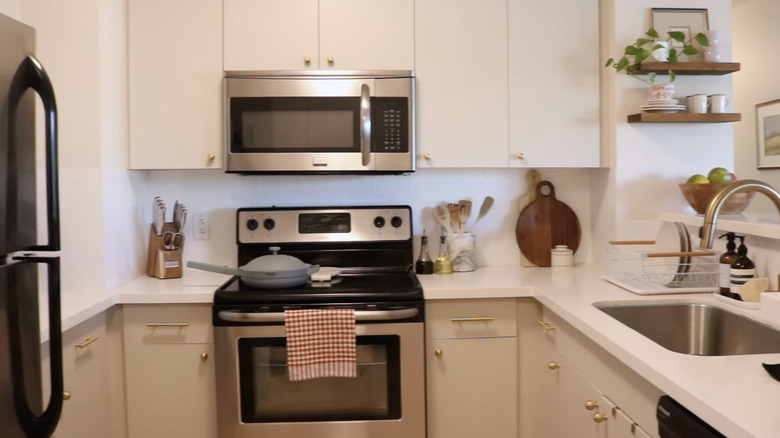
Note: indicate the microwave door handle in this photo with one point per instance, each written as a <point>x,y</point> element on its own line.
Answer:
<point>365,124</point>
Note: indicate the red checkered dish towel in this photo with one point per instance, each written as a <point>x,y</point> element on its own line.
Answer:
<point>320,343</point>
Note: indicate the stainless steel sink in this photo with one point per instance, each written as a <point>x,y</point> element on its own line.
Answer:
<point>698,329</point>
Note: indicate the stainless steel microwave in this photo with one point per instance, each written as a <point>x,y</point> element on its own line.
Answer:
<point>320,122</point>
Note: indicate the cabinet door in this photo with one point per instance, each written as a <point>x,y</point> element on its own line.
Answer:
<point>170,391</point>
<point>573,402</point>
<point>271,34</point>
<point>367,34</point>
<point>619,424</point>
<point>86,411</point>
<point>175,84</point>
<point>461,65</point>
<point>554,92</point>
<point>472,388</point>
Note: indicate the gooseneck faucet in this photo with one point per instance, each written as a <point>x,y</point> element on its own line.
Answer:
<point>713,209</point>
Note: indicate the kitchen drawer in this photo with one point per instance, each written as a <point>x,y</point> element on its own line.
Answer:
<point>167,324</point>
<point>475,318</point>
<point>81,345</point>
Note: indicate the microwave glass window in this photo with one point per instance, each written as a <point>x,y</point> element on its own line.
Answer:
<point>268,395</point>
<point>295,124</point>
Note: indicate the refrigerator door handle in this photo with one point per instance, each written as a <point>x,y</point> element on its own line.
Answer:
<point>43,425</point>
<point>31,74</point>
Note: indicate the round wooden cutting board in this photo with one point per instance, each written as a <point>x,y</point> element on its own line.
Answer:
<point>544,223</point>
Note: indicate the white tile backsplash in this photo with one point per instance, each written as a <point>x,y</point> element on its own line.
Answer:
<point>218,195</point>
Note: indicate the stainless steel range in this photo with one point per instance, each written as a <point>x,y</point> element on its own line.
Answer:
<point>372,247</point>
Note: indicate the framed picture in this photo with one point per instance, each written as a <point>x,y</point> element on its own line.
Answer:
<point>688,21</point>
<point>768,134</point>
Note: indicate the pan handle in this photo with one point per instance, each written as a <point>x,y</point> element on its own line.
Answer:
<point>212,268</point>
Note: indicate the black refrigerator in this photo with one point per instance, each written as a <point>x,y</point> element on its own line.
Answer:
<point>29,250</point>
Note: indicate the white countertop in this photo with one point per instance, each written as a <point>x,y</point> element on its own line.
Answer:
<point>732,393</point>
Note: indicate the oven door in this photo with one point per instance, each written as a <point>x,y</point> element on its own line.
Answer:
<point>319,124</point>
<point>256,398</point>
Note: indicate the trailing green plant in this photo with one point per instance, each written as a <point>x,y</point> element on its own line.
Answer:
<point>634,54</point>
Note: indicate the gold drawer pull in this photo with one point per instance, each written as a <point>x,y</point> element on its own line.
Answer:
<point>167,324</point>
<point>87,341</point>
<point>591,405</point>
<point>472,319</point>
<point>438,352</point>
<point>204,357</point>
<point>546,325</point>
<point>599,418</point>
<point>553,366</point>
<point>66,395</point>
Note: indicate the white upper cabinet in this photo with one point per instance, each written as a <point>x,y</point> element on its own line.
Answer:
<point>461,65</point>
<point>319,34</point>
<point>554,88</point>
<point>175,84</point>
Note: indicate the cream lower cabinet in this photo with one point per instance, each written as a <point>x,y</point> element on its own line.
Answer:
<point>569,388</point>
<point>471,362</point>
<point>86,411</point>
<point>169,371</point>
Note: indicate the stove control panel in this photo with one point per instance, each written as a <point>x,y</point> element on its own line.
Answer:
<point>352,224</point>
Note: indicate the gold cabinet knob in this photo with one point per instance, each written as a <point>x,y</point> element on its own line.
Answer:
<point>553,365</point>
<point>591,405</point>
<point>427,156</point>
<point>66,395</point>
<point>330,60</point>
<point>211,157</point>
<point>204,357</point>
<point>307,59</point>
<point>520,156</point>
<point>438,352</point>
<point>599,418</point>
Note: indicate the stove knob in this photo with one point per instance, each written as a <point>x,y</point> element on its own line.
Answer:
<point>269,224</point>
<point>396,222</point>
<point>252,224</point>
<point>379,222</point>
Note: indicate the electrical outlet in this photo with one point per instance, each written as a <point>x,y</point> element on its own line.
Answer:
<point>201,227</point>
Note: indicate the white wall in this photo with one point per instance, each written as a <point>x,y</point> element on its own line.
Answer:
<point>651,159</point>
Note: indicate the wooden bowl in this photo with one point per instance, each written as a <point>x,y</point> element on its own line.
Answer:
<point>700,195</point>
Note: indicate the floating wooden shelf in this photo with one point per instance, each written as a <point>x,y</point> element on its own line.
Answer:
<point>689,68</point>
<point>684,117</point>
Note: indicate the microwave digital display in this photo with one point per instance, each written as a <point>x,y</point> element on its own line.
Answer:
<point>321,223</point>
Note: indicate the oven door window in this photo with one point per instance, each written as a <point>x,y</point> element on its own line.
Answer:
<point>268,395</point>
<point>294,124</point>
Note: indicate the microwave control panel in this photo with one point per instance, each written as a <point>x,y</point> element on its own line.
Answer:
<point>390,124</point>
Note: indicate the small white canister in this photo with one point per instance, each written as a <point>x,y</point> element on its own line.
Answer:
<point>561,257</point>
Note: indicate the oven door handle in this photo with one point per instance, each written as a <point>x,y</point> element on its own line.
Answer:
<point>365,124</point>
<point>360,315</point>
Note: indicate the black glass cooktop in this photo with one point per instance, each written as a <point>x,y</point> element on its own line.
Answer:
<point>351,286</point>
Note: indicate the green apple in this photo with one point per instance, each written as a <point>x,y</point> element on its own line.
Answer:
<point>698,179</point>
<point>719,175</point>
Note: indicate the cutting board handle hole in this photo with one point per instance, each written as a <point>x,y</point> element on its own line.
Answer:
<point>545,188</point>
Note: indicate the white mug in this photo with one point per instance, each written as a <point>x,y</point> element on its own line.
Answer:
<point>697,103</point>
<point>718,103</point>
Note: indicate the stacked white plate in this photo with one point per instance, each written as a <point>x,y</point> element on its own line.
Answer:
<point>663,106</point>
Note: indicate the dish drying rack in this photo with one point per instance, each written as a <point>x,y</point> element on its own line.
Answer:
<point>634,266</point>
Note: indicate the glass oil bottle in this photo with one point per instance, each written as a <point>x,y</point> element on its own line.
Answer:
<point>443,264</point>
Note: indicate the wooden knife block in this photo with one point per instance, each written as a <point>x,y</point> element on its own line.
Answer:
<point>161,262</point>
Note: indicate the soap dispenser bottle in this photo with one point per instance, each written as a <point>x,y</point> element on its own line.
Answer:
<point>742,269</point>
<point>726,259</point>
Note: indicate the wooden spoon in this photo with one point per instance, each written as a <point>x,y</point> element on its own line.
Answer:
<point>442,215</point>
<point>464,212</point>
<point>452,209</point>
<point>483,210</point>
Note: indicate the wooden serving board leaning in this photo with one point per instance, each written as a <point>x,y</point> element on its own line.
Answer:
<point>544,223</point>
